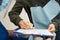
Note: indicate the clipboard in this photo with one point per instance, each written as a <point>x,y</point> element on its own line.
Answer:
<point>33,32</point>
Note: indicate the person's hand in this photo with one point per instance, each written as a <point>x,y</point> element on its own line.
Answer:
<point>51,28</point>
<point>25,25</point>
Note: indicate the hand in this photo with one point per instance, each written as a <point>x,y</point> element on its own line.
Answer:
<point>25,25</point>
<point>51,28</point>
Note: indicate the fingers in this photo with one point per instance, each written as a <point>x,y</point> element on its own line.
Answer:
<point>51,28</point>
<point>25,25</point>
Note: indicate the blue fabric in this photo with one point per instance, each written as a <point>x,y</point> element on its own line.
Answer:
<point>3,33</point>
<point>4,4</point>
<point>58,35</point>
<point>19,38</point>
<point>43,16</point>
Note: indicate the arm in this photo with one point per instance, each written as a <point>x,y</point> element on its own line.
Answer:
<point>16,19</point>
<point>15,12</point>
<point>10,33</point>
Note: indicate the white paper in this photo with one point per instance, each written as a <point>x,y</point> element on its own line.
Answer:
<point>35,32</point>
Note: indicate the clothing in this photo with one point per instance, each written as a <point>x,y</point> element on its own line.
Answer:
<point>0,2</point>
<point>18,38</point>
<point>4,8</point>
<point>58,35</point>
<point>16,10</point>
<point>26,4</point>
<point>3,33</point>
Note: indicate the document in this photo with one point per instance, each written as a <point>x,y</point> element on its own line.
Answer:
<point>41,32</point>
<point>42,16</point>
